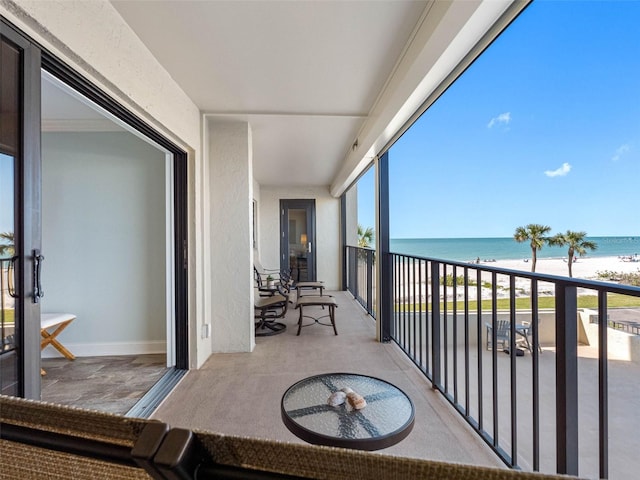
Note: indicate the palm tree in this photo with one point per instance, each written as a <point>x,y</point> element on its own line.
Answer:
<point>7,248</point>
<point>576,243</point>
<point>535,233</point>
<point>365,237</point>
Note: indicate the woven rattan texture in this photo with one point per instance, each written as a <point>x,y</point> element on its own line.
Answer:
<point>71,421</point>
<point>317,462</point>
<point>24,462</point>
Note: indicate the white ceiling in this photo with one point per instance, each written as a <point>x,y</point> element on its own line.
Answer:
<point>311,77</point>
<point>304,74</point>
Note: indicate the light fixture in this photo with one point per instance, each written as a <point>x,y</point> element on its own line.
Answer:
<point>303,238</point>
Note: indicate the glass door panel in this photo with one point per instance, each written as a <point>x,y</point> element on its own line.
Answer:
<point>298,239</point>
<point>299,245</point>
<point>10,59</point>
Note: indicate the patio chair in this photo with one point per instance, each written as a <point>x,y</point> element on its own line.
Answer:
<point>503,333</point>
<point>268,309</point>
<point>277,277</point>
<point>41,440</point>
<point>526,332</point>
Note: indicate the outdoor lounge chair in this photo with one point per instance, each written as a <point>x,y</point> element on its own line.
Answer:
<point>503,333</point>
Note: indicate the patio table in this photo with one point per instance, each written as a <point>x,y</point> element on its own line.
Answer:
<point>386,420</point>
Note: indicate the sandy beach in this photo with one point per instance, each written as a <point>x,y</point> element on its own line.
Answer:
<point>583,267</point>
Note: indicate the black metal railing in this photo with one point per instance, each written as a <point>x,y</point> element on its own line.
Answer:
<point>7,305</point>
<point>447,318</point>
<point>360,277</point>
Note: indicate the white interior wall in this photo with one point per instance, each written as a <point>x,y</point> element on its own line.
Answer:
<point>104,242</point>
<point>328,256</point>
<point>231,190</point>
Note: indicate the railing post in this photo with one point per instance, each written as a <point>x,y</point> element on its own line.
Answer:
<point>343,238</point>
<point>435,325</point>
<point>384,254</point>
<point>603,382</point>
<point>353,271</point>
<point>566,379</point>
<point>369,281</point>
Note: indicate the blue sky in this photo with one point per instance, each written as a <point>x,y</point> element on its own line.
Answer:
<point>543,128</point>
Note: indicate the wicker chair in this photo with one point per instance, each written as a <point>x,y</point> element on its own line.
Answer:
<point>45,441</point>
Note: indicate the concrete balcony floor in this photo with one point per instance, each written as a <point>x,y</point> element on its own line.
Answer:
<point>240,393</point>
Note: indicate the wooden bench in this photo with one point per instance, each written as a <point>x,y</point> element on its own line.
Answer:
<point>58,322</point>
<point>318,301</point>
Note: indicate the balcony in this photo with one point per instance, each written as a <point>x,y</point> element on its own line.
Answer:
<point>561,406</point>
<point>511,402</point>
<point>240,393</point>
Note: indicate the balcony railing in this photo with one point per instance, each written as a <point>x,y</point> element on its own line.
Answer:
<point>7,303</point>
<point>446,315</point>
<point>361,278</point>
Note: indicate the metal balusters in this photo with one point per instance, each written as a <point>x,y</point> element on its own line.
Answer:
<point>494,359</point>
<point>535,323</point>
<point>455,334</point>
<point>603,400</point>
<point>436,352</point>
<point>441,351</point>
<point>514,378</point>
<point>479,345</point>
<point>467,370</point>
<point>445,329</point>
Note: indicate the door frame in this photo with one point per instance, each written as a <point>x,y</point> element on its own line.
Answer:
<point>28,212</point>
<point>62,72</point>
<point>27,222</point>
<point>308,204</point>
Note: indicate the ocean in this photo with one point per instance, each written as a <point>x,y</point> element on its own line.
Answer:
<point>469,249</point>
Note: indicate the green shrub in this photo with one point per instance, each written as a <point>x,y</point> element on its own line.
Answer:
<point>632,279</point>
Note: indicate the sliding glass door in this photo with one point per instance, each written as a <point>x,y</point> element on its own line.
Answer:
<point>20,258</point>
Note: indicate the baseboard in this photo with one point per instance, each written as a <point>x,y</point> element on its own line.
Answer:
<point>108,349</point>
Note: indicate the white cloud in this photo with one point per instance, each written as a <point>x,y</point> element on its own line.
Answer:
<point>559,172</point>
<point>502,118</point>
<point>621,150</point>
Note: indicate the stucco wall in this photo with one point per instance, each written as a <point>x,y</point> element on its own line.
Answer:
<point>328,255</point>
<point>231,188</point>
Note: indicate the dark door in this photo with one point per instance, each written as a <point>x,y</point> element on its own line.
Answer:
<point>297,241</point>
<point>19,215</point>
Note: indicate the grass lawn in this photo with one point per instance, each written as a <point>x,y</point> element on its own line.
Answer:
<point>524,303</point>
<point>8,315</point>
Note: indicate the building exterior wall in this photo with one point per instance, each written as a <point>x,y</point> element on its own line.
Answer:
<point>328,251</point>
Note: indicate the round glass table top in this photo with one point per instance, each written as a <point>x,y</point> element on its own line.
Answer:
<point>386,419</point>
